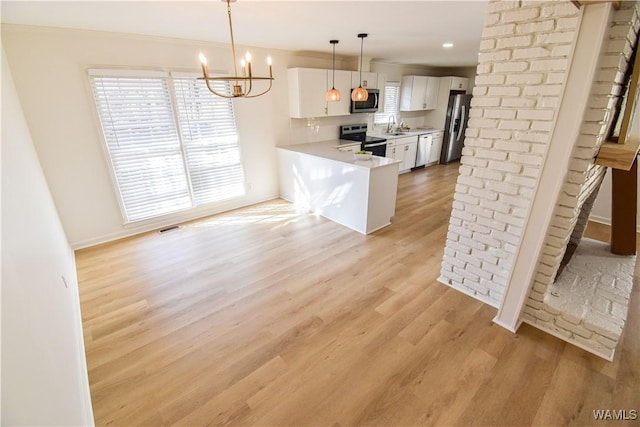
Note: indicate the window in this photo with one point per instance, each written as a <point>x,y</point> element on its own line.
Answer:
<point>172,144</point>
<point>391,102</point>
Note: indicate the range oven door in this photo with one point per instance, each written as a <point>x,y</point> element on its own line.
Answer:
<point>377,148</point>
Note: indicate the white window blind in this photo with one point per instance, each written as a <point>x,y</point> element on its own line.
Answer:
<point>208,130</point>
<point>161,166</point>
<point>391,103</point>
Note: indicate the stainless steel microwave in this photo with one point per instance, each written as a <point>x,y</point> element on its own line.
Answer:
<point>368,106</point>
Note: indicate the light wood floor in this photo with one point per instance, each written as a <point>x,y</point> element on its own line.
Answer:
<point>266,316</point>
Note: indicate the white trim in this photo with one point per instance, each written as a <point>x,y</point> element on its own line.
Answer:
<point>179,218</point>
<point>184,75</point>
<point>593,27</point>
<point>600,219</point>
<point>115,72</point>
<point>555,333</point>
<point>607,221</point>
<point>477,297</point>
<point>194,75</point>
<point>506,326</point>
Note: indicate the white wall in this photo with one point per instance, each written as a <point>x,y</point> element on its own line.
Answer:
<point>44,374</point>
<point>601,211</point>
<point>49,67</point>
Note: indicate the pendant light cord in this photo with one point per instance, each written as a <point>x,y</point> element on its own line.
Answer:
<point>361,44</point>
<point>333,86</point>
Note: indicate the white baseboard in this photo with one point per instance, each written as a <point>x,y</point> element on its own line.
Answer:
<point>178,219</point>
<point>487,301</point>
<point>607,221</point>
<point>605,356</point>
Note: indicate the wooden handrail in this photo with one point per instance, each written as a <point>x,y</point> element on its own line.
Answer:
<point>619,156</point>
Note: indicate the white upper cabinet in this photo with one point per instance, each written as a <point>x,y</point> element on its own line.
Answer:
<point>369,80</point>
<point>308,88</point>
<point>459,83</point>
<point>431,94</point>
<point>342,83</point>
<point>419,93</point>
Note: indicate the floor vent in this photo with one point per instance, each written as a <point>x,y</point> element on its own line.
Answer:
<point>166,230</point>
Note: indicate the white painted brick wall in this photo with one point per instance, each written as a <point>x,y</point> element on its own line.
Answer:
<point>586,323</point>
<point>523,63</point>
<point>524,56</point>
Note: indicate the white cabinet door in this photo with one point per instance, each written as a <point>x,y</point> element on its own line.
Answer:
<point>459,83</point>
<point>343,84</point>
<point>307,92</point>
<point>419,93</point>
<point>391,153</point>
<point>405,151</point>
<point>307,87</point>
<point>436,147</point>
<point>409,158</point>
<point>412,93</point>
<point>431,93</point>
<point>369,80</point>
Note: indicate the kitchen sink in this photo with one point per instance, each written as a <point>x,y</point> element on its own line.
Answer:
<point>396,133</point>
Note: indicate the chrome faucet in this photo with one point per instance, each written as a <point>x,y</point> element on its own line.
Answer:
<point>389,128</point>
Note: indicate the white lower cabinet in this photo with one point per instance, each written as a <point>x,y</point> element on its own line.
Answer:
<point>403,149</point>
<point>436,147</point>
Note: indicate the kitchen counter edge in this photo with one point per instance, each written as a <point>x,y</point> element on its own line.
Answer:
<point>329,150</point>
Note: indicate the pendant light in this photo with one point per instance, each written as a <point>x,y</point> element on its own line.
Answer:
<point>360,93</point>
<point>333,95</point>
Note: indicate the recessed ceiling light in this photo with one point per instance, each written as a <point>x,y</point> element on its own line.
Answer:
<point>447,45</point>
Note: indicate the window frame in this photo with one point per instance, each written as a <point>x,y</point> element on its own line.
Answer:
<point>377,116</point>
<point>169,81</point>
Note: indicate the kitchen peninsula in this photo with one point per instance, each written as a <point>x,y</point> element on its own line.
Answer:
<point>359,194</point>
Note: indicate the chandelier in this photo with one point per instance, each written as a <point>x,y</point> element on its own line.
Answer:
<point>242,85</point>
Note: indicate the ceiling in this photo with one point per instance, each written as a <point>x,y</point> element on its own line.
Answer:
<point>403,32</point>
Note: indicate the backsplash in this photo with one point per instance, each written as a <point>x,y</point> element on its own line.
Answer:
<point>304,131</point>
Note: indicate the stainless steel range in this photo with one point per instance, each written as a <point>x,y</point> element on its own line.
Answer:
<point>358,132</point>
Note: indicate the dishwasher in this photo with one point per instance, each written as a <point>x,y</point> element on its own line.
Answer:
<point>425,142</point>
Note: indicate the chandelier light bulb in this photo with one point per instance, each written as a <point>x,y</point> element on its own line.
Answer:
<point>269,60</point>
<point>248,57</point>
<point>203,59</point>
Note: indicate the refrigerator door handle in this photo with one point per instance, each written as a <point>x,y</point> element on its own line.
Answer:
<point>463,120</point>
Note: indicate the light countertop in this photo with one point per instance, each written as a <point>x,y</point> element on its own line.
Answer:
<point>412,132</point>
<point>329,150</point>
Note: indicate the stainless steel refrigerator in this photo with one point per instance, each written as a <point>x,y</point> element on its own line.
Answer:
<point>455,127</point>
